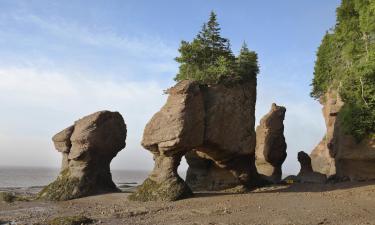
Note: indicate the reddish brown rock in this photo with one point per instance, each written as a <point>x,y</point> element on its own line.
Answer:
<point>204,175</point>
<point>306,174</point>
<point>216,121</point>
<point>338,153</point>
<point>88,148</point>
<point>323,156</point>
<point>271,146</point>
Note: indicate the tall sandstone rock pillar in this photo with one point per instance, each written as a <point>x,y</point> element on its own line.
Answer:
<point>271,146</point>
<point>88,148</point>
<point>216,122</point>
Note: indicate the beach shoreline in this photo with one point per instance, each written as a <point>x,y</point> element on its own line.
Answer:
<point>339,203</point>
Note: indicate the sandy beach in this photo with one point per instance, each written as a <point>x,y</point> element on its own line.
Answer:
<point>341,203</point>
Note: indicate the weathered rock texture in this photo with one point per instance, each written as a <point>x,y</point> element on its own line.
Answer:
<point>204,175</point>
<point>322,156</point>
<point>217,122</point>
<point>270,150</point>
<point>338,153</point>
<point>306,173</point>
<point>88,148</point>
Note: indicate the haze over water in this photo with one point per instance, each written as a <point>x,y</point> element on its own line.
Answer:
<point>13,177</point>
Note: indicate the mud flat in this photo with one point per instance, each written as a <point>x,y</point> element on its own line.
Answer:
<point>340,203</point>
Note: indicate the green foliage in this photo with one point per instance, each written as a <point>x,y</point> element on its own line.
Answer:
<point>63,188</point>
<point>171,190</point>
<point>247,63</point>
<point>358,120</point>
<point>209,58</point>
<point>7,197</point>
<point>346,62</point>
<point>10,197</point>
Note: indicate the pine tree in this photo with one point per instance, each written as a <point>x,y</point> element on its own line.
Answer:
<point>247,63</point>
<point>208,58</point>
<point>346,62</point>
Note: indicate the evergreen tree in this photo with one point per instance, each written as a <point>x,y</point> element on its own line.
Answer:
<point>209,58</point>
<point>346,61</point>
<point>247,63</point>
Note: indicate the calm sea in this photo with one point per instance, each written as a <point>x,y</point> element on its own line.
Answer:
<point>35,177</point>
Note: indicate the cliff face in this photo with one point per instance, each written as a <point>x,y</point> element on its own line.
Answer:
<point>339,153</point>
<point>323,156</point>
<point>270,153</point>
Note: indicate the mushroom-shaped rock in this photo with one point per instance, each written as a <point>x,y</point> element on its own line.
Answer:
<point>88,147</point>
<point>63,144</point>
<point>174,130</point>
<point>306,174</point>
<point>216,122</point>
<point>271,147</point>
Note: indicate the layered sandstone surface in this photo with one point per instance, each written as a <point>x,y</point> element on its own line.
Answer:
<point>88,148</point>
<point>216,122</point>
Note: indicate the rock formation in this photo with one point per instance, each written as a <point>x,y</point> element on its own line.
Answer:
<point>338,153</point>
<point>87,147</point>
<point>323,159</point>
<point>270,150</point>
<point>216,121</point>
<point>204,175</point>
<point>306,173</point>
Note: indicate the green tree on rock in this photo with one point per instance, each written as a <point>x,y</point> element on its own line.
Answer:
<point>247,63</point>
<point>209,58</point>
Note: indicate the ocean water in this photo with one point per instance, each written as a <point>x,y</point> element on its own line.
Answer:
<point>16,177</point>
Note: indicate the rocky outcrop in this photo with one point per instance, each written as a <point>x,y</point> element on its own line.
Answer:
<point>306,173</point>
<point>271,147</point>
<point>338,153</point>
<point>217,122</point>
<point>323,156</point>
<point>88,148</point>
<point>204,175</point>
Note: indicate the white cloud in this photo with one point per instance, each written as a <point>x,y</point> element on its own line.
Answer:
<point>36,105</point>
<point>144,46</point>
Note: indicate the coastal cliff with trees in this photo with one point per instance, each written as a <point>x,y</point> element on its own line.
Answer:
<point>346,63</point>
<point>344,82</point>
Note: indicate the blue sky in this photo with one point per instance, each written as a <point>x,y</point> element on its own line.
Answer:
<point>61,60</point>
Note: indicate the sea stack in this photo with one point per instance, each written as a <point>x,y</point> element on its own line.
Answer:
<point>214,121</point>
<point>306,173</point>
<point>271,147</point>
<point>88,148</point>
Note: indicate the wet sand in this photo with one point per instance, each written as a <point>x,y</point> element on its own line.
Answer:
<point>341,203</point>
